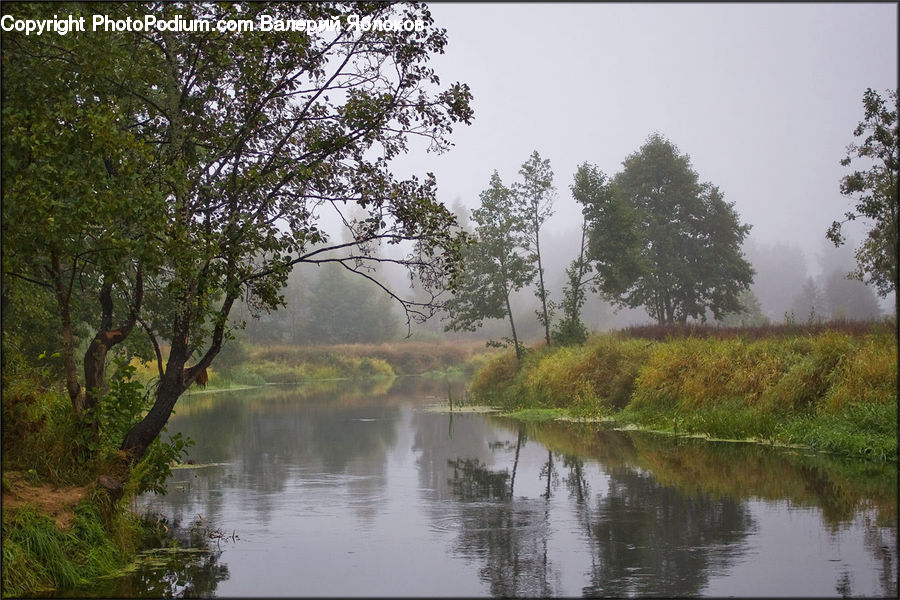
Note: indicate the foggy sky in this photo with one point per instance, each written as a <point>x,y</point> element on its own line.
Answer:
<point>763,97</point>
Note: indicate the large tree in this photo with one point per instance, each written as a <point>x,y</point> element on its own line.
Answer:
<point>80,206</point>
<point>244,142</point>
<point>874,189</point>
<point>665,241</point>
<point>496,265</point>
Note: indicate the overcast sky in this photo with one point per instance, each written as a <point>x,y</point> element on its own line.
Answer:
<point>763,97</point>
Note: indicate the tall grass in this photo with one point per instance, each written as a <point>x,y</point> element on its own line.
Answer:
<point>834,390</point>
<point>280,363</point>
<point>38,556</point>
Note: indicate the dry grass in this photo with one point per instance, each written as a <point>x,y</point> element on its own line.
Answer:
<point>57,502</point>
<point>758,332</point>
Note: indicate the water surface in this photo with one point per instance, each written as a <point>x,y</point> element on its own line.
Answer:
<point>366,490</point>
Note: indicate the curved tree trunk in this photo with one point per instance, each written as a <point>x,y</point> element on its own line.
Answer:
<point>95,358</point>
<point>543,290</point>
<point>512,325</point>
<point>175,381</point>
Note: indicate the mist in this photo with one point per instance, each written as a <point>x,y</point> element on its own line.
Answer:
<point>763,98</point>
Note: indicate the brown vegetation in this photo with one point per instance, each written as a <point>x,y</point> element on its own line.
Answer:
<point>756,332</point>
<point>57,502</point>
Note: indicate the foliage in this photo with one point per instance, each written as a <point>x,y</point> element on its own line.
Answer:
<point>533,198</point>
<point>495,266</point>
<point>874,190</point>
<point>667,242</point>
<point>79,205</point>
<point>203,165</point>
<point>150,474</point>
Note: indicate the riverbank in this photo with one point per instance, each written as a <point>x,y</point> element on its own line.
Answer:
<point>249,365</point>
<point>832,391</point>
<point>60,530</point>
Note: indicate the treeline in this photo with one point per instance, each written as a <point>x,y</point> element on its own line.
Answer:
<point>654,237</point>
<point>325,305</point>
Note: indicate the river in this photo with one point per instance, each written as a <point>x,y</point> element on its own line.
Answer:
<point>375,489</point>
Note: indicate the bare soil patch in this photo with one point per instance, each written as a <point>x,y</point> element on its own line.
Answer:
<point>56,502</point>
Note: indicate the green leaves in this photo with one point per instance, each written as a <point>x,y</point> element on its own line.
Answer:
<point>211,160</point>
<point>495,264</point>
<point>874,190</point>
<point>661,239</point>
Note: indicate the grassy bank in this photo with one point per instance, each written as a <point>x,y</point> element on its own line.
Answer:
<point>253,365</point>
<point>832,390</point>
<point>59,528</point>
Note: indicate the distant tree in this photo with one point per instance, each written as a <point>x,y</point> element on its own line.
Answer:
<point>494,265</point>
<point>778,270</point>
<point>750,315</point>
<point>808,305</point>
<point>534,201</point>
<point>346,309</point>
<point>845,296</point>
<point>848,298</point>
<point>875,192</point>
<point>667,242</point>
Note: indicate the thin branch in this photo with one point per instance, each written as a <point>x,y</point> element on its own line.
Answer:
<point>159,360</point>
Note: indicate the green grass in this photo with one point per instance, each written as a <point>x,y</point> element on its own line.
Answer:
<point>834,390</point>
<point>537,414</point>
<point>37,556</point>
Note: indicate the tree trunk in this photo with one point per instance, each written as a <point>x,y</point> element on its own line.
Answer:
<point>176,380</point>
<point>543,290</point>
<point>63,297</point>
<point>95,358</point>
<point>512,325</point>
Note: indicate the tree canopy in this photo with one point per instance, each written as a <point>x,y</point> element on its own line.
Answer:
<point>874,191</point>
<point>665,241</point>
<point>170,173</point>
<point>496,264</point>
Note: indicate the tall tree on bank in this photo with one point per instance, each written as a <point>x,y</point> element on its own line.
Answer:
<point>875,193</point>
<point>251,139</point>
<point>80,207</point>
<point>534,201</point>
<point>667,242</point>
<point>494,265</point>
<point>591,190</point>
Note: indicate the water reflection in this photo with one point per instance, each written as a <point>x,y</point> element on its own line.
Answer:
<point>361,490</point>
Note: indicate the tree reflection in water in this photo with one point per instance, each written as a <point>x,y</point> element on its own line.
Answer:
<point>644,538</point>
<point>487,505</point>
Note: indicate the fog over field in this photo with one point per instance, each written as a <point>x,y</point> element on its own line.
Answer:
<point>764,99</point>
